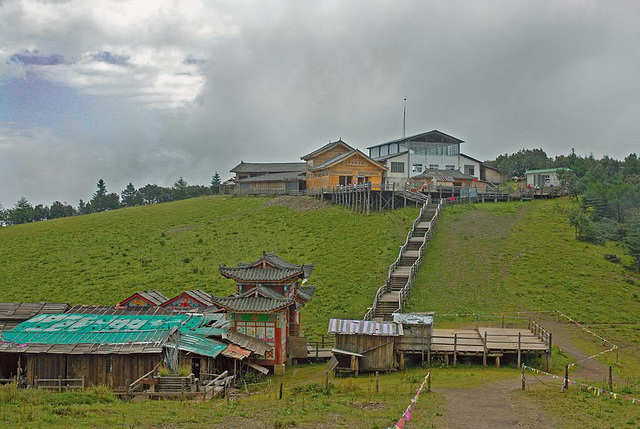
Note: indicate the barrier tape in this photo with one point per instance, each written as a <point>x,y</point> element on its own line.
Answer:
<point>408,413</point>
<point>588,330</point>
<point>596,390</point>
<point>593,356</point>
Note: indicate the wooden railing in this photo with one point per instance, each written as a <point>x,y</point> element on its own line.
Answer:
<point>138,383</point>
<point>60,384</point>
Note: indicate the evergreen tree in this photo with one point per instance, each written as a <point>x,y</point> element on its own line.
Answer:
<point>180,189</point>
<point>102,201</point>
<point>40,212</point>
<point>59,210</point>
<point>130,196</point>
<point>3,216</point>
<point>633,240</point>
<point>215,183</point>
<point>22,212</point>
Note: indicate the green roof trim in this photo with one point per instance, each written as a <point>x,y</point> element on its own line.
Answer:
<point>547,170</point>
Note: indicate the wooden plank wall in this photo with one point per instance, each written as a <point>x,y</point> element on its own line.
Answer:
<point>382,358</point>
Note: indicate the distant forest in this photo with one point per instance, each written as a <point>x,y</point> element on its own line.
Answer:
<point>24,212</point>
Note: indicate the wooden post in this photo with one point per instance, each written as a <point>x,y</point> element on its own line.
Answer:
<point>523,379</point>
<point>429,383</point>
<point>429,356</point>
<point>519,350</point>
<point>455,349</point>
<point>83,381</point>
<point>610,378</point>
<point>503,321</point>
<point>498,361</point>
<point>484,355</point>
<point>59,383</point>
<point>377,383</point>
<point>326,382</point>
<point>565,384</point>
<point>280,395</point>
<point>35,382</point>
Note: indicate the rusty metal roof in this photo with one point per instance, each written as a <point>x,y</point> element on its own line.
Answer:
<point>248,342</point>
<point>365,327</point>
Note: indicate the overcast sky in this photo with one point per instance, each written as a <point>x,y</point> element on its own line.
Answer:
<point>148,91</point>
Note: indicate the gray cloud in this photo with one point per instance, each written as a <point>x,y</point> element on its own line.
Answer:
<point>273,80</point>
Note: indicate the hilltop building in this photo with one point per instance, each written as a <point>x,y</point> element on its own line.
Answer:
<point>544,176</point>
<point>268,178</point>
<point>338,164</point>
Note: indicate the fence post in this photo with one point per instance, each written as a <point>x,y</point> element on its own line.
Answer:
<point>326,381</point>
<point>523,379</point>
<point>484,355</point>
<point>520,356</point>
<point>377,383</point>
<point>455,349</point>
<point>565,384</point>
<point>429,382</point>
<point>280,395</point>
<point>610,378</point>
<point>59,383</point>
<point>83,381</point>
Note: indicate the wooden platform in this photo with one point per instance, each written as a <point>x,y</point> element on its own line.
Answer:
<point>491,341</point>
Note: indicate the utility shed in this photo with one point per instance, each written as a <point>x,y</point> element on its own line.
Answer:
<point>417,328</point>
<point>365,345</point>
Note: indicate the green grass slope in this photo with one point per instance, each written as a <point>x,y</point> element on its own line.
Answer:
<point>102,258</point>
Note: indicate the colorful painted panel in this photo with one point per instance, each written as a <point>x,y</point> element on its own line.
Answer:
<point>265,331</point>
<point>183,301</point>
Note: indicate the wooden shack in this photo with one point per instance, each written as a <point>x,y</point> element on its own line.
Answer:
<point>365,345</point>
<point>417,329</point>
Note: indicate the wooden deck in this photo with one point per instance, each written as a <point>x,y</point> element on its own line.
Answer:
<point>495,340</point>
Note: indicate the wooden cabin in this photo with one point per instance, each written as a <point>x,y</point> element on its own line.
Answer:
<point>144,298</point>
<point>365,345</point>
<point>338,164</point>
<point>266,319</point>
<point>102,348</point>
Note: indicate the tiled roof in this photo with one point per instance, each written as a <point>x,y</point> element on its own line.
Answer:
<point>365,327</point>
<point>196,294</point>
<point>261,291</point>
<point>306,292</point>
<point>260,274</point>
<point>275,260</point>
<point>252,304</point>
<point>326,147</point>
<point>294,176</point>
<point>269,167</point>
<point>153,296</point>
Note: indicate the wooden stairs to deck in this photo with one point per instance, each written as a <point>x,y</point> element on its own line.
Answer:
<point>399,276</point>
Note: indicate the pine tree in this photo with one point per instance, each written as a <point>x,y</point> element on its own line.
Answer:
<point>22,212</point>
<point>130,196</point>
<point>180,189</point>
<point>215,183</point>
<point>633,240</point>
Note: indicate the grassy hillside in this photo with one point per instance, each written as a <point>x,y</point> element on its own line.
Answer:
<point>102,258</point>
<point>522,256</point>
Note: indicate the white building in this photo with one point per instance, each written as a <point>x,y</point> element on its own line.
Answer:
<point>410,156</point>
<point>543,177</point>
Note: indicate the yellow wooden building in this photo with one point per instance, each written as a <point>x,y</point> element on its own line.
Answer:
<point>338,164</point>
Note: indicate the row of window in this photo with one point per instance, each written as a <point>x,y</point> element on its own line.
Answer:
<point>398,167</point>
<point>420,148</point>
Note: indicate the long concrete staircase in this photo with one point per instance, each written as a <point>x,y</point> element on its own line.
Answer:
<point>391,296</point>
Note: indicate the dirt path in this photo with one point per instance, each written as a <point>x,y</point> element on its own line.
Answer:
<point>591,369</point>
<point>491,406</point>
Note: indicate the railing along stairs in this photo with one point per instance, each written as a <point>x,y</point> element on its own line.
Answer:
<point>387,300</point>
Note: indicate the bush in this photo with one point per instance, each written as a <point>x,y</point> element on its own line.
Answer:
<point>612,258</point>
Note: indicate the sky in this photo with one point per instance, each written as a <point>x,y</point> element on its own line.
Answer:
<point>147,92</point>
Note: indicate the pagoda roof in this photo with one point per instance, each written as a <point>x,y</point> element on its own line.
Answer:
<point>237,304</point>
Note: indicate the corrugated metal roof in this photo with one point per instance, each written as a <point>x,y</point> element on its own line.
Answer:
<point>133,310</point>
<point>269,167</point>
<point>200,345</point>
<point>252,304</point>
<point>260,274</point>
<point>365,327</point>
<point>413,318</point>
<point>248,342</point>
<point>236,352</point>
<point>26,310</point>
<point>409,138</point>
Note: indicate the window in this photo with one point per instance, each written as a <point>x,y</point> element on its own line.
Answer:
<point>434,166</point>
<point>397,167</point>
<point>393,148</point>
<point>345,180</point>
<point>384,150</point>
<point>451,167</point>
<point>417,168</point>
<point>469,170</point>
<point>374,152</point>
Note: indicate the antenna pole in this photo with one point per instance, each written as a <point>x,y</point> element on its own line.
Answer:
<point>404,118</point>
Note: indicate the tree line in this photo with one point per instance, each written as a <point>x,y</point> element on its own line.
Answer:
<point>606,191</point>
<point>102,200</point>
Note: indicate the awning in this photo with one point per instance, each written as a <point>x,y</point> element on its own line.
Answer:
<point>235,352</point>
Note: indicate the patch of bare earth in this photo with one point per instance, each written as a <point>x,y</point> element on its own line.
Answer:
<point>302,204</point>
<point>491,406</point>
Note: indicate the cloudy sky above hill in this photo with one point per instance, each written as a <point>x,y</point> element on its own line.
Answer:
<point>146,92</point>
